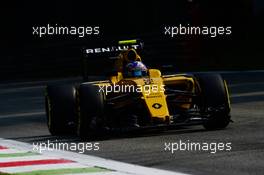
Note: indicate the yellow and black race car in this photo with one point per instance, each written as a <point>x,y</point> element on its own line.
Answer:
<point>149,100</point>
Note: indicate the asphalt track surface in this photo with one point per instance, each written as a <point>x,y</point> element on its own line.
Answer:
<point>22,118</point>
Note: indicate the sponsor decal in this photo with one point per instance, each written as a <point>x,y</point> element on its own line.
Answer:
<point>156,105</point>
<point>111,49</point>
<point>148,81</point>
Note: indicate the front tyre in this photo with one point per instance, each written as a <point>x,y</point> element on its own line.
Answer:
<point>91,102</point>
<point>214,101</point>
<point>60,102</point>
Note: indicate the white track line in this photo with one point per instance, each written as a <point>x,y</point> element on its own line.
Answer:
<point>29,168</point>
<point>26,158</point>
<point>25,114</point>
<point>10,151</point>
<point>41,82</point>
<point>103,173</point>
<point>119,167</point>
<point>246,84</point>
<point>249,94</point>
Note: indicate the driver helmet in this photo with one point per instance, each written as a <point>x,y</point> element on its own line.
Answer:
<point>131,55</point>
<point>135,68</point>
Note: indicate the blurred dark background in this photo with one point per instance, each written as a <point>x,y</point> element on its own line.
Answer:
<point>26,56</point>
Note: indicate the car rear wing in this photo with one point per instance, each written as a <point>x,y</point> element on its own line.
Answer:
<point>117,48</point>
<point>100,61</point>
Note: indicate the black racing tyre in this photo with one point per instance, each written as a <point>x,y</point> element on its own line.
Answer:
<point>214,100</point>
<point>60,102</point>
<point>91,102</point>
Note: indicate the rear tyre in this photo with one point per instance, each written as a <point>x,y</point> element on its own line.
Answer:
<point>60,101</point>
<point>214,101</point>
<point>91,103</point>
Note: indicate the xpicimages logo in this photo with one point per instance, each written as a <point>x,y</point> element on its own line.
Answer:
<point>212,31</point>
<point>80,31</point>
<point>80,147</point>
<point>212,147</point>
<point>146,89</point>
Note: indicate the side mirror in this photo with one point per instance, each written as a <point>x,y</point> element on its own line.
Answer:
<point>154,73</point>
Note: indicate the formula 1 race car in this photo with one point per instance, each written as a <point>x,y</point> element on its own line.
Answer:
<point>152,100</point>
